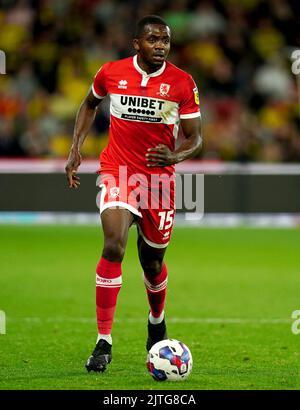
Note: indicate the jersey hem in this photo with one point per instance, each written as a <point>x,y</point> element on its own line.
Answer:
<point>150,243</point>
<point>122,205</point>
<point>191,115</point>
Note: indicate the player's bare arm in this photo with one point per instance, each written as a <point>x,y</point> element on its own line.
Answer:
<point>162,156</point>
<point>84,119</point>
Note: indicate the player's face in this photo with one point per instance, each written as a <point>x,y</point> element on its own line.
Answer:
<point>154,45</point>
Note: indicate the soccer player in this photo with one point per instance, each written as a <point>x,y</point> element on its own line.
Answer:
<point>149,96</point>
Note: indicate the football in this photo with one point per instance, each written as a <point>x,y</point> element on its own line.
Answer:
<point>169,359</point>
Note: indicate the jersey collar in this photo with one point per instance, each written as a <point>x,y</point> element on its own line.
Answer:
<point>144,74</point>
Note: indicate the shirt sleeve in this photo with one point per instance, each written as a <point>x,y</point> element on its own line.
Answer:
<point>99,84</point>
<point>189,106</point>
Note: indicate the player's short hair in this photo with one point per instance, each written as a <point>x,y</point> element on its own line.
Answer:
<point>151,19</point>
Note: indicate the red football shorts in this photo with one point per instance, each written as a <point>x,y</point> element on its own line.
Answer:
<point>153,203</point>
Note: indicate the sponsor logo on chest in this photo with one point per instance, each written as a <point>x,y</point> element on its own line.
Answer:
<point>141,108</point>
<point>144,108</point>
<point>140,102</point>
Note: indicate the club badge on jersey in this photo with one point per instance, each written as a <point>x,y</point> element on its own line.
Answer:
<point>164,89</point>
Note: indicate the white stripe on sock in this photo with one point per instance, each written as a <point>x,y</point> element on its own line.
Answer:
<point>108,338</point>
<point>105,282</point>
<point>155,288</point>
<point>156,320</point>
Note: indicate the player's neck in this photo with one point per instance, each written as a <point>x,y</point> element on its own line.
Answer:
<point>149,69</point>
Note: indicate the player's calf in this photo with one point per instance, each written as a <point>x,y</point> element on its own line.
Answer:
<point>156,291</point>
<point>156,287</point>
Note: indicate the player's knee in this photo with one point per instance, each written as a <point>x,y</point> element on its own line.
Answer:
<point>152,268</point>
<point>114,250</point>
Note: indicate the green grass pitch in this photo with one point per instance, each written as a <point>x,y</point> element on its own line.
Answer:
<point>230,297</point>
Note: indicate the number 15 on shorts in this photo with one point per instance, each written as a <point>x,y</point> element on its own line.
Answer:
<point>166,220</point>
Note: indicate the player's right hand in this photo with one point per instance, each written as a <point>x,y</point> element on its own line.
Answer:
<point>72,165</point>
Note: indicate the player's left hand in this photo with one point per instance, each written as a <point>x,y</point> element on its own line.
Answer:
<point>160,156</point>
<point>72,165</point>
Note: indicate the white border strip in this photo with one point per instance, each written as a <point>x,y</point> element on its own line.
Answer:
<point>113,204</point>
<point>120,204</point>
<point>181,220</point>
<point>152,244</point>
<point>48,166</point>
<point>180,320</point>
<point>191,115</point>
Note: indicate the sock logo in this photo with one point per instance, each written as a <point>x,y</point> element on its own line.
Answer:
<point>106,282</point>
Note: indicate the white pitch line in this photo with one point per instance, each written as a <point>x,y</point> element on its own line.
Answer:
<point>181,320</point>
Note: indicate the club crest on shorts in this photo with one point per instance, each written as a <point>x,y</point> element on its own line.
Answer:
<point>114,192</point>
<point>164,89</point>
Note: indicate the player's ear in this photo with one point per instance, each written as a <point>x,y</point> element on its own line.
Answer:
<point>136,45</point>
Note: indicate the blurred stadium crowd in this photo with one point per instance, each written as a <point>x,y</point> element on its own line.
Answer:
<point>239,52</point>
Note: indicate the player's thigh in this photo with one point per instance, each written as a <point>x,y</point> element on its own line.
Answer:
<point>148,253</point>
<point>116,222</point>
<point>151,258</point>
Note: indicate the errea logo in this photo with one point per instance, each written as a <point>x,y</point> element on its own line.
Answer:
<point>123,84</point>
<point>99,280</point>
<point>105,282</point>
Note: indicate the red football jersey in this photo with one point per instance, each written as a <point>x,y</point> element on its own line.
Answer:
<point>145,110</point>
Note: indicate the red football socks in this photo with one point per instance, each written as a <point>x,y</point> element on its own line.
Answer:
<point>156,291</point>
<point>108,285</point>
